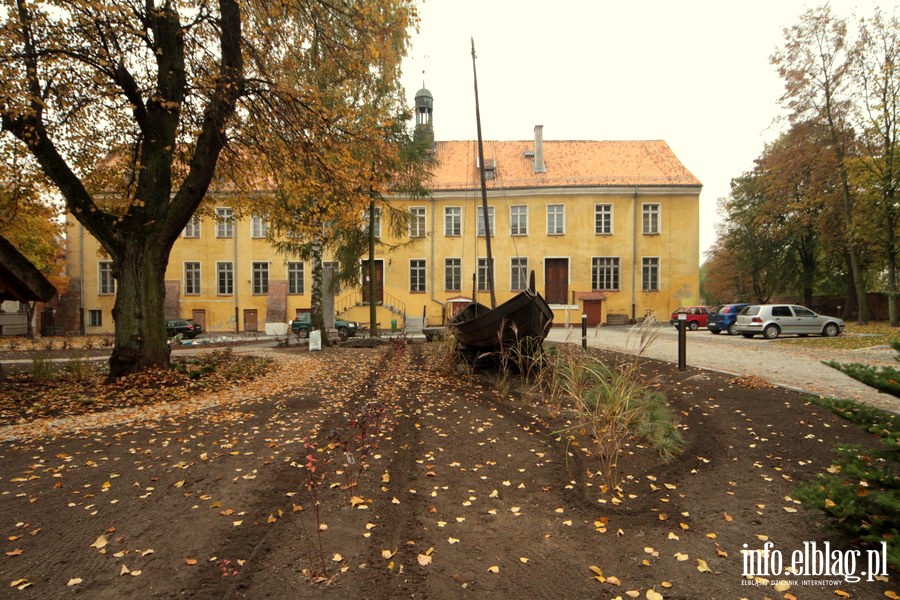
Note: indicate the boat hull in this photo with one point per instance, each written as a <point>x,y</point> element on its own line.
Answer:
<point>524,316</point>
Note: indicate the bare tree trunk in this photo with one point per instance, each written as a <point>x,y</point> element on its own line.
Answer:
<point>140,333</point>
<point>29,323</point>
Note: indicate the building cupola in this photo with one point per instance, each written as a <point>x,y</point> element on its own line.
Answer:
<point>424,109</point>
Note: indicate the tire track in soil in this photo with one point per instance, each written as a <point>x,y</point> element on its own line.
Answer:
<point>285,548</point>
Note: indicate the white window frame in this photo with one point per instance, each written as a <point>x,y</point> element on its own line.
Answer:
<point>192,229</point>
<point>518,273</point>
<point>224,222</point>
<point>452,221</point>
<point>655,267</point>
<point>603,215</point>
<point>453,273</point>
<point>259,226</point>
<point>518,223</point>
<point>296,273</point>
<point>192,278</point>
<point>613,269</point>
<point>106,283</point>
<point>228,282</point>
<point>651,218</point>
<point>556,219</point>
<point>259,276</point>
<point>377,227</point>
<point>482,278</point>
<point>479,219</point>
<point>92,321</point>
<point>417,228</point>
<point>417,275</point>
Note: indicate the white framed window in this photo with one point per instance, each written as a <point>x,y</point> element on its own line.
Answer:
<point>95,318</point>
<point>377,224</point>
<point>518,273</point>
<point>603,219</point>
<point>260,272</point>
<point>483,275</point>
<point>452,274</point>
<point>417,275</point>
<point>452,221</point>
<point>192,229</point>
<point>605,273</point>
<point>105,280</point>
<point>224,278</point>
<point>479,218</point>
<point>650,218</point>
<point>224,222</point>
<point>650,274</point>
<point>259,226</point>
<point>556,219</point>
<point>417,221</point>
<point>295,277</point>
<point>518,219</point>
<point>192,279</point>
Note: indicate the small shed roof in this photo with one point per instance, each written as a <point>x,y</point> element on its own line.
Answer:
<point>19,279</point>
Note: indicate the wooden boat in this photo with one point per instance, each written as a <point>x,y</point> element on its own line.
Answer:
<point>525,317</point>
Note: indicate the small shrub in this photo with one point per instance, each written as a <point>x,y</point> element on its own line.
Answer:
<point>41,367</point>
<point>886,379</point>
<point>860,493</point>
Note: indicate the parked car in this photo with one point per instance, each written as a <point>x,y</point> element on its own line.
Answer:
<point>724,318</point>
<point>186,328</point>
<point>696,316</point>
<point>772,320</point>
<point>302,325</point>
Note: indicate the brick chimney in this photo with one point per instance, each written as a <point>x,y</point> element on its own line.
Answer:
<point>539,166</point>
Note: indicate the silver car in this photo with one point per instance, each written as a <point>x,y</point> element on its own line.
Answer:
<point>772,320</point>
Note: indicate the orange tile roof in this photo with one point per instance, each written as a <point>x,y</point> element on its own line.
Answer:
<point>569,164</point>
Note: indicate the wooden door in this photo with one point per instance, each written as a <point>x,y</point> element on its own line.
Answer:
<point>379,281</point>
<point>592,308</point>
<point>251,320</point>
<point>198,316</point>
<point>556,280</point>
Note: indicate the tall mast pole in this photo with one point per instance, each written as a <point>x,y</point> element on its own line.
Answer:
<point>484,205</point>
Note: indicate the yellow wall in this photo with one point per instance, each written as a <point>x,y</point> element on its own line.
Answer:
<point>676,246</point>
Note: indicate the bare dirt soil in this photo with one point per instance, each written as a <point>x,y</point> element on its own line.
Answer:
<point>454,491</point>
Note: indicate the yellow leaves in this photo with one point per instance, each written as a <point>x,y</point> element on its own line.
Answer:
<point>21,584</point>
<point>387,554</point>
<point>360,502</point>
<point>179,484</point>
<point>679,556</point>
<point>190,561</point>
<point>829,503</point>
<point>15,552</point>
<point>892,595</point>
<point>702,566</point>
<point>598,573</point>
<point>841,593</point>
<point>654,595</point>
<point>73,581</point>
<point>425,559</point>
<point>493,569</point>
<point>100,543</point>
<point>337,558</point>
<point>452,540</point>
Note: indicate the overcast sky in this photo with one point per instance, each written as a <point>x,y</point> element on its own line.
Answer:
<point>695,74</point>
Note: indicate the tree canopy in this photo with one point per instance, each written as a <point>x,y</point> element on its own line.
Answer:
<point>127,107</point>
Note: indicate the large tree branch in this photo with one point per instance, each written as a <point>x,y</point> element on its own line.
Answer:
<point>211,140</point>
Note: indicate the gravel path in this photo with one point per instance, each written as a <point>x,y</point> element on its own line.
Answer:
<point>788,365</point>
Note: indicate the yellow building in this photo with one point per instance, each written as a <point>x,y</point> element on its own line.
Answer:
<point>610,229</point>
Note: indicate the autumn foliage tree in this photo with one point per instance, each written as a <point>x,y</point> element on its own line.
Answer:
<point>30,221</point>
<point>161,88</point>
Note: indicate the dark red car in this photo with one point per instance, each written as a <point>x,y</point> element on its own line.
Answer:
<point>696,316</point>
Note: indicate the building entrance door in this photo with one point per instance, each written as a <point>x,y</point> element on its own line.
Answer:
<point>556,280</point>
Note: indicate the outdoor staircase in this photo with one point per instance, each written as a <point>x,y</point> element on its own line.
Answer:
<point>354,300</point>
<point>415,324</point>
